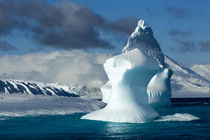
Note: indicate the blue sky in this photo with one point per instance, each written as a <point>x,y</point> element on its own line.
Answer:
<point>181,27</point>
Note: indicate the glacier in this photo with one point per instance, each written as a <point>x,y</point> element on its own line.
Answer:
<point>129,74</point>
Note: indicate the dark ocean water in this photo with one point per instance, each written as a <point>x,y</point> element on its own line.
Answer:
<point>71,127</point>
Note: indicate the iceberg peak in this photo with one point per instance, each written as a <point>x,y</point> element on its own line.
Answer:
<point>142,24</point>
<point>141,28</point>
<point>143,39</point>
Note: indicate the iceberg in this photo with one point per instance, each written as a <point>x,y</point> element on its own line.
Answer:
<point>129,73</point>
<point>159,89</point>
<point>138,79</point>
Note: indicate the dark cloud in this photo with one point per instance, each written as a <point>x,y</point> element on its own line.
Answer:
<point>186,46</point>
<point>151,12</point>
<point>61,25</point>
<point>178,12</point>
<point>204,46</point>
<point>176,33</point>
<point>122,25</point>
<point>5,46</point>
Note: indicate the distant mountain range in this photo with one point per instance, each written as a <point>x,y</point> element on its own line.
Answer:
<point>34,88</point>
<point>11,86</point>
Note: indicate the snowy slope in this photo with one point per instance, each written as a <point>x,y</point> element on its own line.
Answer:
<point>24,104</point>
<point>203,70</point>
<point>186,82</point>
<point>20,98</point>
<point>34,88</point>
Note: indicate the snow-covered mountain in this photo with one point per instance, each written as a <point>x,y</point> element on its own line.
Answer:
<point>34,88</point>
<point>203,70</point>
<point>11,86</point>
<point>186,82</point>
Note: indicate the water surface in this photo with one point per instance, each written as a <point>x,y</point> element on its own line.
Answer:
<point>188,121</point>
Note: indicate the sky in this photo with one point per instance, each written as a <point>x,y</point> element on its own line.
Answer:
<point>43,28</point>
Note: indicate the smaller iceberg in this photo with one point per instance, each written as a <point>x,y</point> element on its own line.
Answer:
<point>159,88</point>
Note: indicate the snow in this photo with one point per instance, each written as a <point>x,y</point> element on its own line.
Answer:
<point>24,104</point>
<point>159,88</point>
<point>129,74</point>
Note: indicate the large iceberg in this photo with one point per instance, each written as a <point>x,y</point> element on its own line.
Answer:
<point>129,75</point>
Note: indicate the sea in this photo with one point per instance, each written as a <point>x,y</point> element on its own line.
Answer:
<point>185,119</point>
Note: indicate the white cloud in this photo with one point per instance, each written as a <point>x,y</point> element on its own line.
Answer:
<point>65,67</point>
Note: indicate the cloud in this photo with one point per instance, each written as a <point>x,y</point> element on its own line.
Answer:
<point>5,46</point>
<point>204,46</point>
<point>151,12</point>
<point>63,24</point>
<point>65,67</point>
<point>123,25</point>
<point>178,12</point>
<point>179,33</point>
<point>186,46</point>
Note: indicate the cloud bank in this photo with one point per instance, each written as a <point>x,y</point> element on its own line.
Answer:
<point>63,24</point>
<point>65,67</point>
